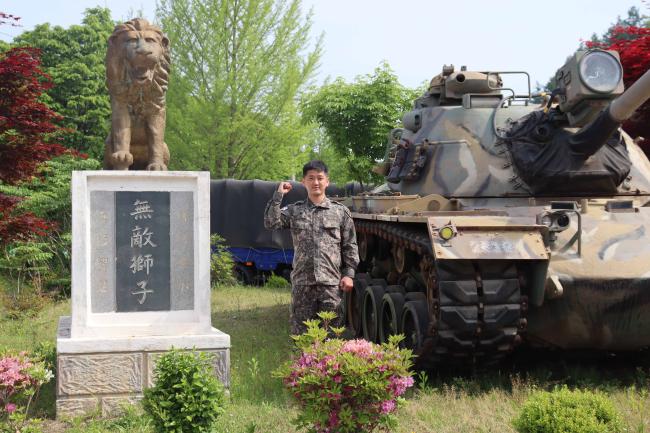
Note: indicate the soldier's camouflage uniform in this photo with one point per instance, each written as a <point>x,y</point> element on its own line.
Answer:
<point>325,250</point>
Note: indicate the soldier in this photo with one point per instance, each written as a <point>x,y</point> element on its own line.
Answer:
<point>324,242</point>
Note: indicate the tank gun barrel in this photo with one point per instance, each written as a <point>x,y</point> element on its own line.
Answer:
<point>625,105</point>
<point>593,136</point>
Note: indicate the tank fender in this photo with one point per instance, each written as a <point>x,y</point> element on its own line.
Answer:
<point>494,238</point>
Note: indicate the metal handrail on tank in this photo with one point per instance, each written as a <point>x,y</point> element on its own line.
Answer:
<point>504,98</point>
<point>514,94</point>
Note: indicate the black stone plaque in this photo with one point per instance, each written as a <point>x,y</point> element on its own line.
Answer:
<point>142,281</point>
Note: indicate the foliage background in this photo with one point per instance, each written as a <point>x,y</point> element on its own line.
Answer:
<point>74,59</point>
<point>357,117</point>
<point>238,68</point>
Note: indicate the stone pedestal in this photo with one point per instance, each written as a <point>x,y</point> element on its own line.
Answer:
<point>102,375</point>
<point>140,286</point>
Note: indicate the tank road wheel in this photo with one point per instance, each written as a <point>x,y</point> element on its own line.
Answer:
<point>403,258</point>
<point>415,296</point>
<point>370,312</point>
<point>364,242</point>
<point>415,322</point>
<point>396,289</point>
<point>353,303</point>
<point>391,315</point>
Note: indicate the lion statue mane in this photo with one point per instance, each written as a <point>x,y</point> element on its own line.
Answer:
<point>137,74</point>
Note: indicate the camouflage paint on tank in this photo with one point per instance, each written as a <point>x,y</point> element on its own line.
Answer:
<point>594,297</point>
<point>466,159</point>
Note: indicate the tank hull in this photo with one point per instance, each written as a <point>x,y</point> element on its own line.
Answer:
<point>595,314</point>
<point>586,287</point>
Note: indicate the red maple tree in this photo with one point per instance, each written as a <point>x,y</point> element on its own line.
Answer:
<point>633,45</point>
<point>28,134</point>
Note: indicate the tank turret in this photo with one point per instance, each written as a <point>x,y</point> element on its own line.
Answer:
<point>494,142</point>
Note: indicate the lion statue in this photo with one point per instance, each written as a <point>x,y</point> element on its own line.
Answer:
<point>137,72</point>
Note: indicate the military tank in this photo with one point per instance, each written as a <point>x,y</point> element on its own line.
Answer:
<point>509,218</point>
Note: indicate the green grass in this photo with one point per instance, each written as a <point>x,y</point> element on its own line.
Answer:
<point>257,321</point>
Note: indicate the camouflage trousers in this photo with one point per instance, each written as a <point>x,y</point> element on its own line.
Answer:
<point>307,301</point>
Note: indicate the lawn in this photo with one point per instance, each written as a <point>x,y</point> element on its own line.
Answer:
<point>257,321</point>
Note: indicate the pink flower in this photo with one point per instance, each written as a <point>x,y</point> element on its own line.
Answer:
<point>334,419</point>
<point>359,347</point>
<point>398,384</point>
<point>13,375</point>
<point>337,378</point>
<point>306,360</point>
<point>387,406</point>
<point>10,407</point>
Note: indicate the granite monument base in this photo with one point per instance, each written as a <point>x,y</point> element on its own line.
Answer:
<point>96,375</point>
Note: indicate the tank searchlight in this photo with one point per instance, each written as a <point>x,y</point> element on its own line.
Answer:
<point>588,82</point>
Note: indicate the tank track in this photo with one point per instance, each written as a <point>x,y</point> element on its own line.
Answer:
<point>477,313</point>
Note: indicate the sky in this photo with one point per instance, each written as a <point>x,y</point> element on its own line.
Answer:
<point>415,37</point>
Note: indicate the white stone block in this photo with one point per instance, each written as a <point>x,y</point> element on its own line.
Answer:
<point>91,324</point>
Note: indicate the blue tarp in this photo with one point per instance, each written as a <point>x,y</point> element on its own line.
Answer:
<point>265,259</point>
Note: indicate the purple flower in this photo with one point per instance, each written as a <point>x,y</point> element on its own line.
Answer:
<point>10,407</point>
<point>398,384</point>
<point>387,406</point>
<point>334,418</point>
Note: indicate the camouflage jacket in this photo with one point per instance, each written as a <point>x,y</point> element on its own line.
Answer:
<point>324,241</point>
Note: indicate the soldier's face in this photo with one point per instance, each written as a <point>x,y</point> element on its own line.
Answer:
<point>315,182</point>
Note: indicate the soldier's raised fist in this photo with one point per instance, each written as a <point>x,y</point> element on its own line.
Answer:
<point>284,187</point>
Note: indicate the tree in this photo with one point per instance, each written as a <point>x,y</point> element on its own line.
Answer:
<point>357,117</point>
<point>74,59</point>
<point>238,67</point>
<point>634,19</point>
<point>322,149</point>
<point>28,134</point>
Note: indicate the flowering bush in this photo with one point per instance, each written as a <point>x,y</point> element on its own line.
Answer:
<point>20,379</point>
<point>346,386</point>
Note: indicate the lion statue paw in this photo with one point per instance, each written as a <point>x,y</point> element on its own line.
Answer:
<point>157,166</point>
<point>121,160</point>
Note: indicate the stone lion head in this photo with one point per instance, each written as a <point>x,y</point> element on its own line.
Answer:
<point>137,57</point>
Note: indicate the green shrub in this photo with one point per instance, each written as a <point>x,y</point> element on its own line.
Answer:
<point>26,260</point>
<point>27,303</point>
<point>277,282</point>
<point>221,262</point>
<point>566,411</point>
<point>45,352</point>
<point>186,396</point>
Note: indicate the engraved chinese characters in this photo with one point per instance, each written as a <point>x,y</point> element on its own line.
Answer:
<point>143,254</point>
